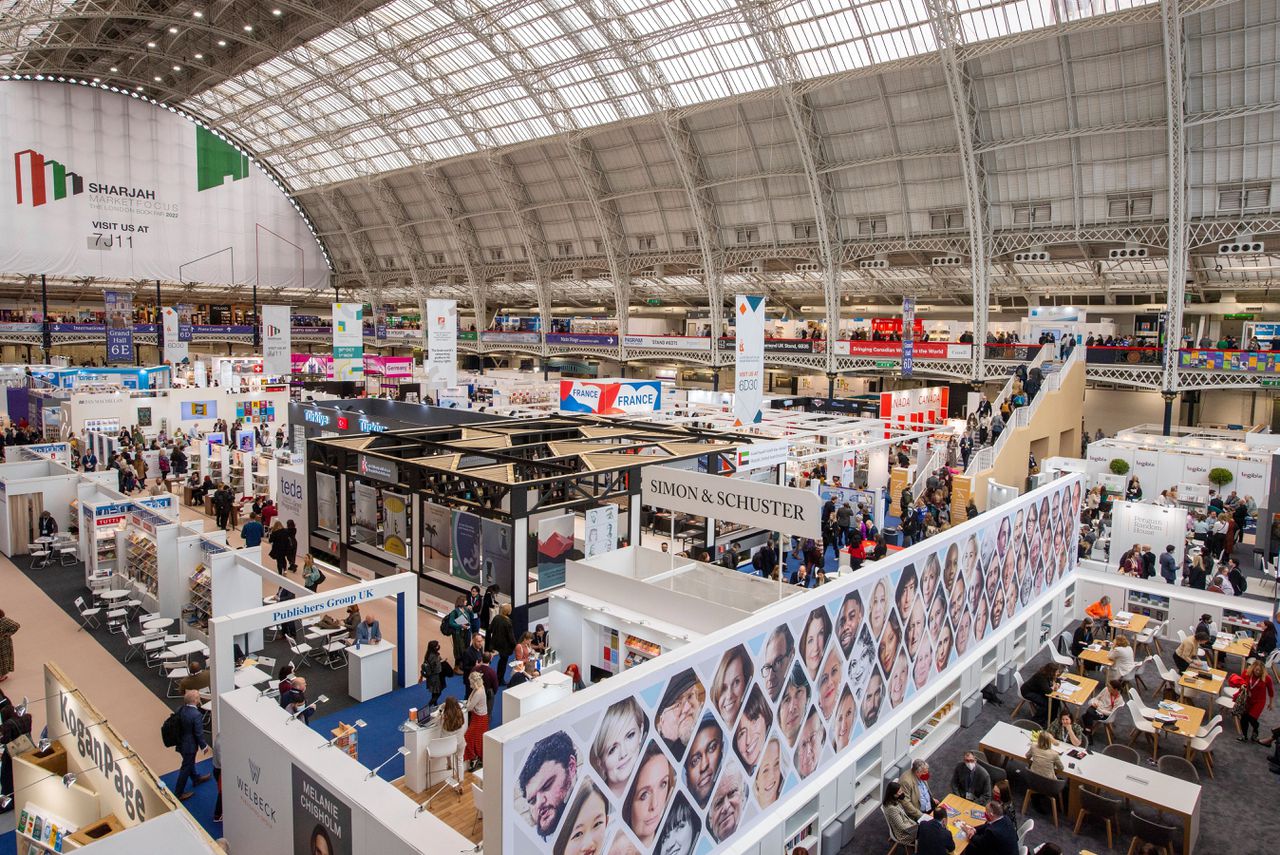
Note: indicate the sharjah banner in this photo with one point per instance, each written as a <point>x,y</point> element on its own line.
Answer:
<point>440,323</point>
<point>119,305</point>
<point>185,326</point>
<point>175,349</point>
<point>555,547</point>
<point>102,184</point>
<point>748,384</point>
<point>348,341</point>
<point>276,341</point>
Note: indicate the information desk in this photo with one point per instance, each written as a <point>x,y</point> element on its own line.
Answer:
<point>369,669</point>
<point>1138,783</point>
<point>417,735</point>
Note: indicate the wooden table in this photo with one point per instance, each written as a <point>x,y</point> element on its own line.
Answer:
<point>1135,624</point>
<point>1211,686</point>
<point>1101,656</point>
<point>1189,718</point>
<point>1241,647</point>
<point>1085,687</point>
<point>1138,783</point>
<point>969,812</point>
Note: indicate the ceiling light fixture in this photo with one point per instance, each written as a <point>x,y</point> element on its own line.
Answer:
<point>97,80</point>
<point>173,31</point>
<point>222,42</point>
<point>114,69</point>
<point>156,78</point>
<point>197,14</point>
<point>248,28</point>
<point>139,88</point>
<point>199,56</point>
<point>277,12</point>
<point>151,44</point>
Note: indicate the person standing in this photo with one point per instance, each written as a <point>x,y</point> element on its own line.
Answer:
<point>488,606</point>
<point>457,624</point>
<point>222,500</point>
<point>292,547</point>
<point>501,639</point>
<point>478,721</point>
<point>190,742</point>
<point>432,672</point>
<point>252,532</point>
<point>8,628</point>
<point>311,575</point>
<point>1259,693</point>
<point>279,551</point>
<point>1169,565</point>
<point>475,601</point>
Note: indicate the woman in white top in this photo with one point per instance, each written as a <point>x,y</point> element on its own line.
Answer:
<point>453,721</point>
<point>478,720</point>
<point>1121,659</point>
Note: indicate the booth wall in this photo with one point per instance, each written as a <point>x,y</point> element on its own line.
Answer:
<point>1116,409</point>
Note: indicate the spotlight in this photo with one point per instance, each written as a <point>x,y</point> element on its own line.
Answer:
<point>197,14</point>
<point>157,78</point>
<point>248,28</point>
<point>68,779</point>
<point>400,752</point>
<point>199,56</point>
<point>173,31</point>
<point>151,44</point>
<point>114,69</point>
<point>222,42</point>
<point>177,68</point>
<point>277,12</point>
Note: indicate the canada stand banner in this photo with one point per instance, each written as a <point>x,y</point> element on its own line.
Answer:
<point>706,742</point>
<point>277,339</point>
<point>98,183</point>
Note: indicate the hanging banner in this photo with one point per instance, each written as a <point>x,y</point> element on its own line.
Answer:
<point>395,524</point>
<point>277,341</point>
<point>768,506</point>
<point>440,324</point>
<point>348,341</point>
<point>610,397</point>
<point>467,547</point>
<point>908,335</point>
<point>380,322</point>
<point>364,521</point>
<point>175,349</point>
<point>185,326</point>
<point>748,384</point>
<point>555,546</point>
<point>602,530</point>
<point>326,502</point>
<point>437,536</point>
<point>119,305</point>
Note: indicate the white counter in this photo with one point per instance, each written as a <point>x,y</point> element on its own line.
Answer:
<point>369,670</point>
<point>550,687</point>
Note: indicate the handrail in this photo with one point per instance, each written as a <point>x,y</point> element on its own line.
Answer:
<point>985,458</point>
<point>932,464</point>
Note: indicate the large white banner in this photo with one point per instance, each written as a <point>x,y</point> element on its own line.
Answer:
<point>769,506</point>
<point>440,322</point>
<point>175,350</point>
<point>748,384</point>
<point>277,341</point>
<point>348,341</point>
<point>326,502</point>
<point>97,183</point>
<point>1138,524</point>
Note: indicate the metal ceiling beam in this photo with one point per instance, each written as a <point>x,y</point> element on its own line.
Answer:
<point>1175,291</point>
<point>360,245</point>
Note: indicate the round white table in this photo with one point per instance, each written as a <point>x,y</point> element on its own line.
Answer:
<point>158,623</point>
<point>114,594</point>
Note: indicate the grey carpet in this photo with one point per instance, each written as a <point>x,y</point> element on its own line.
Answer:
<point>1236,810</point>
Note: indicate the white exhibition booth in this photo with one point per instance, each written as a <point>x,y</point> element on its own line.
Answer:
<point>153,410</point>
<point>1163,462</point>
<point>817,765</point>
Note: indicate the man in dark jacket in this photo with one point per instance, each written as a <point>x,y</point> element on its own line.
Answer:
<point>222,501</point>
<point>471,657</point>
<point>1148,562</point>
<point>996,837</point>
<point>189,743</point>
<point>501,639</point>
<point>1169,565</point>
<point>933,837</point>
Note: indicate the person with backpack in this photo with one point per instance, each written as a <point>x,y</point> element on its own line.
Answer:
<point>312,575</point>
<point>456,625</point>
<point>279,551</point>
<point>183,731</point>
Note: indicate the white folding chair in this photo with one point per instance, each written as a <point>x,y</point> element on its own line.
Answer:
<point>118,620</point>
<point>300,649</point>
<point>88,616</point>
<point>68,555</point>
<point>334,653</point>
<point>1056,657</point>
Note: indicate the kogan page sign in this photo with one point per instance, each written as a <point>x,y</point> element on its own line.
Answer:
<point>610,397</point>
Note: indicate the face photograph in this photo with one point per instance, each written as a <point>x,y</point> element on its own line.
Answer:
<point>898,678</point>
<point>1033,523</point>
<point>795,699</point>
<point>849,621</point>
<point>617,745</point>
<point>923,664</point>
<point>942,647</point>
<point>679,710</point>
<point>991,579</point>
<point>937,613</point>
<point>768,783</point>
<point>997,608</point>
<point>1044,515</point>
<point>622,845</point>
<point>706,754</point>
<point>730,684</point>
<point>931,577</point>
<point>963,629</point>
<point>809,749</point>
<point>980,616</point>
<point>915,627</point>
<point>905,594</point>
<point>776,660</point>
<point>649,794</point>
<point>878,611</point>
<point>969,557</point>
<point>890,641</point>
<point>546,779</point>
<point>680,831</point>
<point>872,700</point>
<point>752,729</point>
<point>842,725</point>
<point>956,595</point>
<point>828,687</point>
<point>1011,597</point>
<point>727,804</point>
<point>862,661</point>
<point>951,567</point>
<point>1009,567</point>
<point>813,640</point>
<point>1002,539</point>
<point>1019,523</point>
<point>586,823</point>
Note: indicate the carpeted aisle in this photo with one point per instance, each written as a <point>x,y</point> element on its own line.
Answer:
<point>200,806</point>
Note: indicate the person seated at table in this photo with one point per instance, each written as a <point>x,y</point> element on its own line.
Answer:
<point>997,836</point>
<point>198,677</point>
<point>902,827</point>
<point>1207,626</point>
<point>285,677</point>
<point>970,781</point>
<point>1065,729</point>
<point>539,640</point>
<point>933,837</point>
<point>1122,664</point>
<point>1042,758</point>
<point>48,525</point>
<point>1101,613</point>
<point>368,631</point>
<point>296,699</point>
<point>202,488</point>
<point>352,621</point>
<point>1082,638</point>
<point>518,675</point>
<point>1188,650</point>
<point>1039,687</point>
<point>1106,702</point>
<point>915,781</point>
<point>1266,641</point>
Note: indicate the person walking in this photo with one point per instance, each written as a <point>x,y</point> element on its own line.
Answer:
<point>251,531</point>
<point>432,672</point>
<point>312,576</point>
<point>501,639</point>
<point>1259,694</point>
<point>279,551</point>
<point>457,625</point>
<point>190,742</point>
<point>292,529</point>
<point>222,501</point>
<point>8,628</point>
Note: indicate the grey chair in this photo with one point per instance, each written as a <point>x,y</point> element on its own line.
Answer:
<point>1123,752</point>
<point>1147,830</point>
<point>1040,785</point>
<point>1100,807</point>
<point>1178,767</point>
<point>1028,724</point>
<point>995,773</point>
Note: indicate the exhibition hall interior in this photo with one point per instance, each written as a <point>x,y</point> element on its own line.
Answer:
<point>639,427</point>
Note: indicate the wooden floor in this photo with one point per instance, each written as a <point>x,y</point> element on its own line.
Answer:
<point>456,811</point>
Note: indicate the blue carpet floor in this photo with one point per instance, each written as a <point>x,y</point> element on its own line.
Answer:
<point>200,806</point>
<point>9,843</point>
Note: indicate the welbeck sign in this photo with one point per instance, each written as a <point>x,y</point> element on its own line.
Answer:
<point>768,506</point>
<point>376,467</point>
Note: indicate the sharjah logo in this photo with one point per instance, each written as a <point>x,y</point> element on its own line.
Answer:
<point>42,172</point>
<point>273,330</point>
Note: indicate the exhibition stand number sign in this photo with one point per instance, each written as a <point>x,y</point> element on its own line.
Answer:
<point>684,754</point>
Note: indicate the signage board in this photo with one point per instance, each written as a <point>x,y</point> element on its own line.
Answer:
<point>610,397</point>
<point>761,454</point>
<point>748,381</point>
<point>277,338</point>
<point>379,469</point>
<point>440,322</point>
<point>768,506</point>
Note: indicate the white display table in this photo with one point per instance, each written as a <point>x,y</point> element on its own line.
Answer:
<point>548,688</point>
<point>369,670</point>
<point>416,738</point>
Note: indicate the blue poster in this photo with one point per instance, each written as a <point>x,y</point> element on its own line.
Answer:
<point>466,547</point>
<point>119,305</point>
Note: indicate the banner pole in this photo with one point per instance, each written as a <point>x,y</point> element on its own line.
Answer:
<point>671,548</point>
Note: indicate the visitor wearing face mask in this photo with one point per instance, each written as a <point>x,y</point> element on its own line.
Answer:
<point>915,782</point>
<point>970,781</point>
<point>996,837</point>
<point>902,828</point>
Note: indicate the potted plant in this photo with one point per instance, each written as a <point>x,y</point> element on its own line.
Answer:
<point>1220,477</point>
<point>1118,466</point>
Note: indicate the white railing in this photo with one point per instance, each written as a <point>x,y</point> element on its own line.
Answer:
<point>985,458</point>
<point>925,469</point>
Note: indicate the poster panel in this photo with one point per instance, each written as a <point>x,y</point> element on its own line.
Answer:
<point>321,819</point>
<point>1251,480</point>
<point>785,698</point>
<point>395,523</point>
<point>326,502</point>
<point>467,547</point>
<point>555,546</point>
<point>348,341</point>
<point>119,306</point>
<point>498,565</point>
<point>277,340</point>
<point>440,323</point>
<point>175,349</point>
<point>748,383</point>
<point>1140,523</point>
<point>364,520</point>
<point>610,397</point>
<point>602,530</point>
<point>437,536</point>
